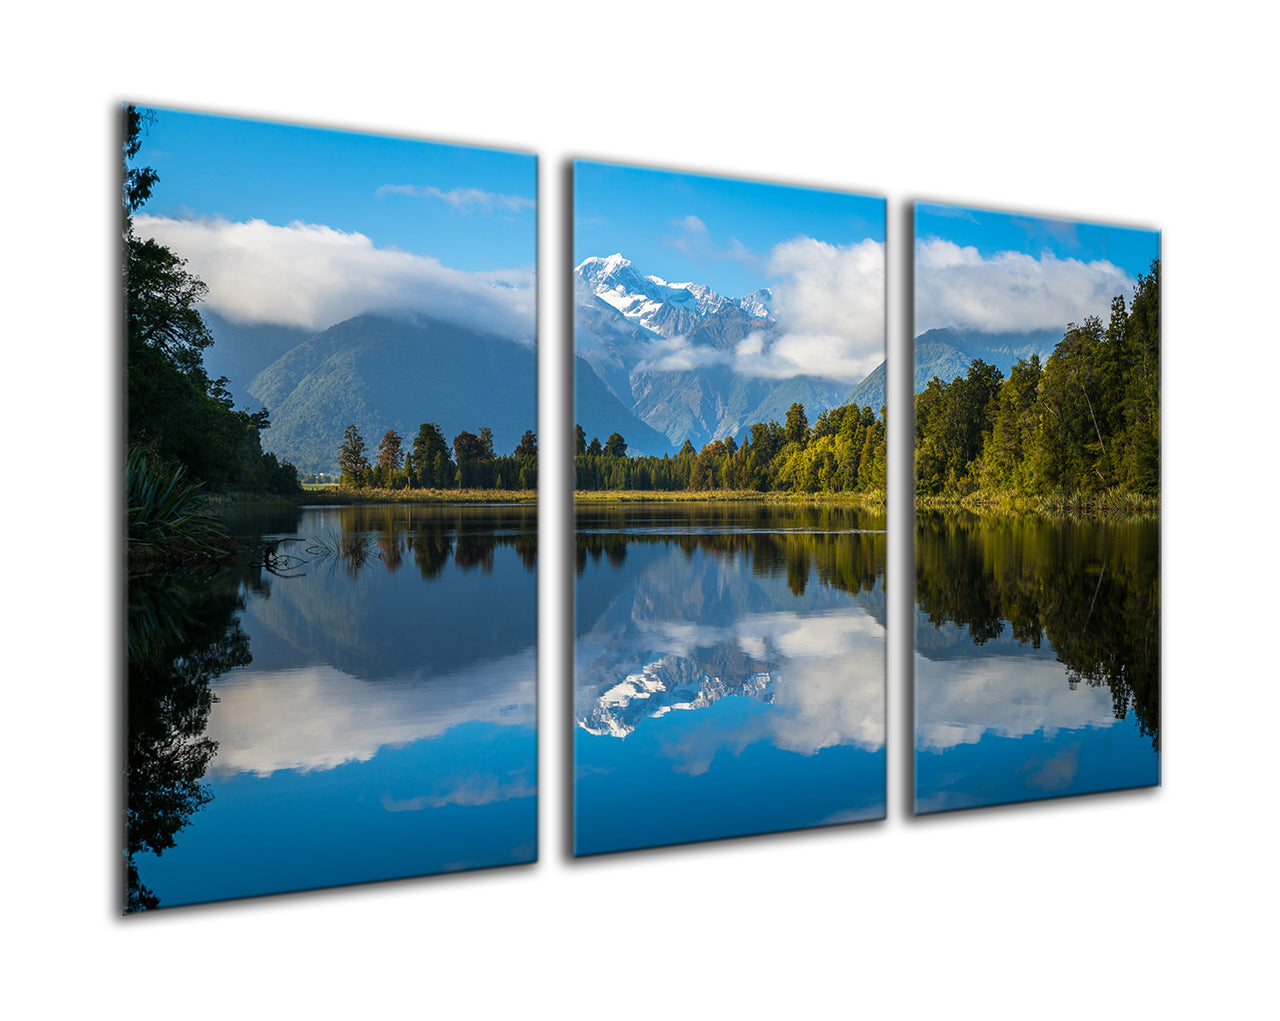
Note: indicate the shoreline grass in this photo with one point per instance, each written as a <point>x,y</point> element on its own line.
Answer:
<point>1108,503</point>
<point>328,496</point>
<point>587,496</point>
<point>1104,504</point>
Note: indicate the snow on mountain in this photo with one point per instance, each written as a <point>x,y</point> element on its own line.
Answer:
<point>672,354</point>
<point>663,307</point>
<point>671,683</point>
<point>758,304</point>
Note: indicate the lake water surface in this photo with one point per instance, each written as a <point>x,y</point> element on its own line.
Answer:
<point>729,666</point>
<point>354,701</point>
<point>1037,658</point>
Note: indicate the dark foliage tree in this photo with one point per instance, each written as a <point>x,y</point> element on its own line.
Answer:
<point>173,408</point>
<point>390,457</point>
<point>797,425</point>
<point>528,446</point>
<point>429,464</point>
<point>615,446</point>
<point>386,472</point>
<point>1084,422</point>
<point>472,452</point>
<point>353,463</point>
<point>1091,591</point>
<point>183,632</point>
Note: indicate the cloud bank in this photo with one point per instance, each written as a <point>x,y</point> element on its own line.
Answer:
<point>1010,696</point>
<point>319,717</point>
<point>1009,291</point>
<point>313,276</point>
<point>829,304</point>
<point>829,673</point>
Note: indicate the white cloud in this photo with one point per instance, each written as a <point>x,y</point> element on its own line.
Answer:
<point>953,212</point>
<point>828,688</point>
<point>467,792</point>
<point>677,354</point>
<point>832,687</point>
<point>318,717</point>
<point>957,702</point>
<point>313,276</point>
<point>691,224</point>
<point>829,303</point>
<point>693,240</point>
<point>462,199</point>
<point>1009,291</point>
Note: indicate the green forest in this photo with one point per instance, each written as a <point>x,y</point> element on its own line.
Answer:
<point>431,463</point>
<point>1083,425</point>
<point>842,452</point>
<point>179,421</point>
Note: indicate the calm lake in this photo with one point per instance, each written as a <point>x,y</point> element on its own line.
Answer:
<point>1037,658</point>
<point>729,671</point>
<point>353,701</point>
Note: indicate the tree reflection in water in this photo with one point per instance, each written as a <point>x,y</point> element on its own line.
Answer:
<point>1088,587</point>
<point>183,633</point>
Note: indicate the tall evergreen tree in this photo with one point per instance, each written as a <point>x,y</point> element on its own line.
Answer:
<point>352,461</point>
<point>528,446</point>
<point>429,464</point>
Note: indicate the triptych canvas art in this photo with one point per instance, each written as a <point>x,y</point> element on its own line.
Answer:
<point>331,479</point>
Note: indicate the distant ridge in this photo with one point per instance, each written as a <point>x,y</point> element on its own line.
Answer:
<point>666,352</point>
<point>381,372</point>
<point>948,353</point>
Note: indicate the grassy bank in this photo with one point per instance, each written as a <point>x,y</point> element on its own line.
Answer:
<point>582,496</point>
<point>328,496</point>
<point>1108,503</point>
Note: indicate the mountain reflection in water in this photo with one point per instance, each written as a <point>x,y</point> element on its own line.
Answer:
<point>730,671</point>
<point>360,688</point>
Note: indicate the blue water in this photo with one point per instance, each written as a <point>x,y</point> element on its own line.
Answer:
<point>723,688</point>
<point>385,725</point>
<point>1037,662</point>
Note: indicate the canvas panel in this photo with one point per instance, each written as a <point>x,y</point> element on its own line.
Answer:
<point>1037,461</point>
<point>339,685</point>
<point>729,345</point>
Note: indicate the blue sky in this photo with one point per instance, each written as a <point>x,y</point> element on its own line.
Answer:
<point>1002,271</point>
<point>1130,248</point>
<point>404,221</point>
<point>821,254</point>
<point>712,230</point>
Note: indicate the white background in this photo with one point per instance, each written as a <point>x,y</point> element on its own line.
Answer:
<point>1146,903</point>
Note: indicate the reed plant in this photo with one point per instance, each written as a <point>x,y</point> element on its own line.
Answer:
<point>166,523</point>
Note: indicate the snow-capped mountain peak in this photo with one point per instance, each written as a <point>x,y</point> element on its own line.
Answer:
<point>658,305</point>
<point>669,684</point>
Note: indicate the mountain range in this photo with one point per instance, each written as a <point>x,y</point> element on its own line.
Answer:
<point>947,353</point>
<point>675,683</point>
<point>665,352</point>
<point>376,372</point>
<point>654,362</point>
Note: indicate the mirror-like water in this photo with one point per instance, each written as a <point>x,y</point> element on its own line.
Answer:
<point>1037,658</point>
<point>353,701</point>
<point>729,666</point>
